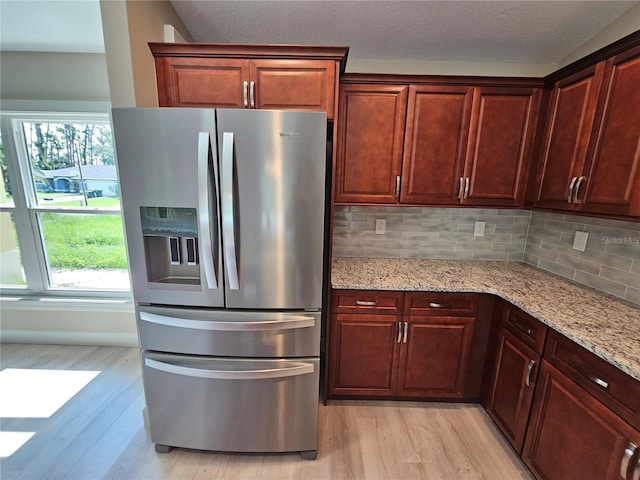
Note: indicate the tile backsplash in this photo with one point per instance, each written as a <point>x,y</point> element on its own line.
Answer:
<point>416,232</point>
<point>610,262</point>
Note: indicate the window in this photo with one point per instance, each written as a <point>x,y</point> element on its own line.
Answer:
<point>60,205</point>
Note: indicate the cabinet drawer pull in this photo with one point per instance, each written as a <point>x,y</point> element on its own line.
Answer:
<point>406,329</point>
<point>399,332</point>
<point>523,328</point>
<point>529,369</point>
<point>440,305</point>
<point>398,187</point>
<point>626,458</point>
<point>364,303</point>
<point>245,94</point>
<point>570,191</point>
<point>577,190</point>
<point>588,376</point>
<point>466,188</point>
<point>461,189</point>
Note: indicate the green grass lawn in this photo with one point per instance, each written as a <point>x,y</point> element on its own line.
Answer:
<point>84,241</point>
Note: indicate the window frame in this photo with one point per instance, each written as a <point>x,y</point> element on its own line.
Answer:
<point>25,208</point>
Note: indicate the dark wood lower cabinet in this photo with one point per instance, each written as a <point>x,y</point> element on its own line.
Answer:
<point>434,358</point>
<point>364,354</point>
<point>572,436</point>
<point>513,383</point>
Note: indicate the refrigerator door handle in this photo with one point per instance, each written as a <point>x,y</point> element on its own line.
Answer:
<point>204,218</point>
<point>297,321</point>
<point>298,368</point>
<point>228,227</point>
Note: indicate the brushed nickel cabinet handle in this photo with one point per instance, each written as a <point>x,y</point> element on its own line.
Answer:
<point>399,332</point>
<point>570,192</point>
<point>252,87</point>
<point>466,188</point>
<point>461,189</point>
<point>626,458</point>
<point>245,94</point>
<point>406,329</point>
<point>577,189</point>
<point>398,186</point>
<point>590,377</point>
<point>364,303</point>
<point>529,369</point>
<point>440,305</point>
<point>523,328</point>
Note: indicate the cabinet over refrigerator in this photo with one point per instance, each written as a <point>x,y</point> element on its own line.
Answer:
<point>224,214</point>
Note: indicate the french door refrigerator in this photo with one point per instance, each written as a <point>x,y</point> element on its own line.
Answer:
<point>224,217</point>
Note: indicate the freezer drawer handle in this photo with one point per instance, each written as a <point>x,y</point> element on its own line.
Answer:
<point>204,216</point>
<point>228,227</point>
<point>291,322</point>
<point>296,370</point>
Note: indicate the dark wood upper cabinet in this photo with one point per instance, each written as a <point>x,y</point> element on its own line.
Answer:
<point>463,144</point>
<point>248,76</point>
<point>435,144</point>
<point>569,124</point>
<point>591,155</point>
<point>371,132</point>
<point>612,171</point>
<point>500,145</point>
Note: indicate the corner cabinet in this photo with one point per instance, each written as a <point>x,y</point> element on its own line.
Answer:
<point>249,76</point>
<point>396,344</point>
<point>518,350</point>
<point>434,143</point>
<point>591,151</point>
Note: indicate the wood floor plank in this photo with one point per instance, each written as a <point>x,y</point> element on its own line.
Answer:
<point>100,434</point>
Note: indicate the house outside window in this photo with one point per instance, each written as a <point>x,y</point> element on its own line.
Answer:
<point>62,229</point>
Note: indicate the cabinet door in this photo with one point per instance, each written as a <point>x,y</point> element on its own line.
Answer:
<point>364,354</point>
<point>201,82</point>
<point>569,124</point>
<point>369,153</point>
<point>294,85</point>
<point>435,144</point>
<point>572,436</point>
<point>503,124</point>
<point>435,356</point>
<point>612,176</point>
<point>513,382</point>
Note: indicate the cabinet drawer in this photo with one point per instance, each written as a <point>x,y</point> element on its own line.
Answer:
<point>441,303</point>
<point>367,301</point>
<point>531,331</point>
<point>614,388</point>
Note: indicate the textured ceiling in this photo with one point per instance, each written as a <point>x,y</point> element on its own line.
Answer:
<point>456,31</point>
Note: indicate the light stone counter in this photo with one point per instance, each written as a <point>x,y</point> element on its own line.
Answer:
<point>599,322</point>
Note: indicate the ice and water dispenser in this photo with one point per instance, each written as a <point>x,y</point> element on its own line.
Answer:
<point>171,245</point>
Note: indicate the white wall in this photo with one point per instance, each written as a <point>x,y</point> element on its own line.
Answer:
<point>53,76</point>
<point>623,26</point>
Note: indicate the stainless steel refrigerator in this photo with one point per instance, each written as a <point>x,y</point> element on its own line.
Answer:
<point>224,214</point>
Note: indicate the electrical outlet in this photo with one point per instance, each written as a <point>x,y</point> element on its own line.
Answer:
<point>479,229</point>
<point>580,241</point>
<point>381,226</point>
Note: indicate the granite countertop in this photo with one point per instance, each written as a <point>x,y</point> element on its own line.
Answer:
<point>606,326</point>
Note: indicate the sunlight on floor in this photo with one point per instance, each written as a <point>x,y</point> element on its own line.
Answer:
<point>34,393</point>
<point>10,442</point>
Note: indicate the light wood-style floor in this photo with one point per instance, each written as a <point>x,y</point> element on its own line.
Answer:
<point>99,433</point>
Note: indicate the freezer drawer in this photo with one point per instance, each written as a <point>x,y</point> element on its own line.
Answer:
<point>199,331</point>
<point>234,405</point>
